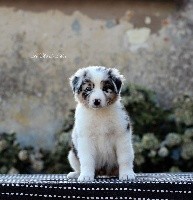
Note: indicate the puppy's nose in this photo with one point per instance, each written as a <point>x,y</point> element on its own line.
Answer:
<point>97,102</point>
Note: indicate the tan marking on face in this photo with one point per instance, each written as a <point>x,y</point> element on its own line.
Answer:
<point>109,91</point>
<point>87,87</point>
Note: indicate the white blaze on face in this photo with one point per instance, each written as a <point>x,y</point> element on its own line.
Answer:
<point>97,98</point>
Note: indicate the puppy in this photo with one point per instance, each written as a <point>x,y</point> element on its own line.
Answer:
<point>102,135</point>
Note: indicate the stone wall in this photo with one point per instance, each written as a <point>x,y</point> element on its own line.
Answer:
<point>40,49</point>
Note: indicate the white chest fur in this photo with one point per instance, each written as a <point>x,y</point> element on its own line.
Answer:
<point>103,128</point>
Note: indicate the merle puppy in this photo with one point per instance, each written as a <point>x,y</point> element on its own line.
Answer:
<point>102,134</point>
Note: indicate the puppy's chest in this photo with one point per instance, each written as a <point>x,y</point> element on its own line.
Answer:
<point>104,126</point>
<point>105,149</point>
<point>103,131</point>
<point>105,143</point>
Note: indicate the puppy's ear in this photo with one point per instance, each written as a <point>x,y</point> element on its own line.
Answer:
<point>117,78</point>
<point>76,80</point>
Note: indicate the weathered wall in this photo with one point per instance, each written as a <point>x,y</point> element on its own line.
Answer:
<point>34,92</point>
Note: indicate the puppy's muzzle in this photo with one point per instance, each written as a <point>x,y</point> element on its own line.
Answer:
<point>97,102</point>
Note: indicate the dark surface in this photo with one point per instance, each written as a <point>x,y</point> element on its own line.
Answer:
<point>55,186</point>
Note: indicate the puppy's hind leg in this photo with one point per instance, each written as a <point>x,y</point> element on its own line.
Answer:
<point>75,164</point>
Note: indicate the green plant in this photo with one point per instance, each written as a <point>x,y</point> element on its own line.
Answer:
<point>183,110</point>
<point>15,159</point>
<point>56,160</point>
<point>145,112</point>
<point>173,153</point>
<point>162,139</point>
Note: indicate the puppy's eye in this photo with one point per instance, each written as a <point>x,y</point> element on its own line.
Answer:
<point>88,89</point>
<point>107,89</point>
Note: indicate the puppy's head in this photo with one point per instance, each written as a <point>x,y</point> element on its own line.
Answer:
<point>96,87</point>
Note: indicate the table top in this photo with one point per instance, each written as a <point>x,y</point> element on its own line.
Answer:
<point>177,178</point>
<point>145,185</point>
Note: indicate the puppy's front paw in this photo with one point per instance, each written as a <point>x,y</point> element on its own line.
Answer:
<point>127,176</point>
<point>72,175</point>
<point>85,178</point>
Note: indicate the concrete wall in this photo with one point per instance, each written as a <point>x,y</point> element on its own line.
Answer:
<point>151,43</point>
